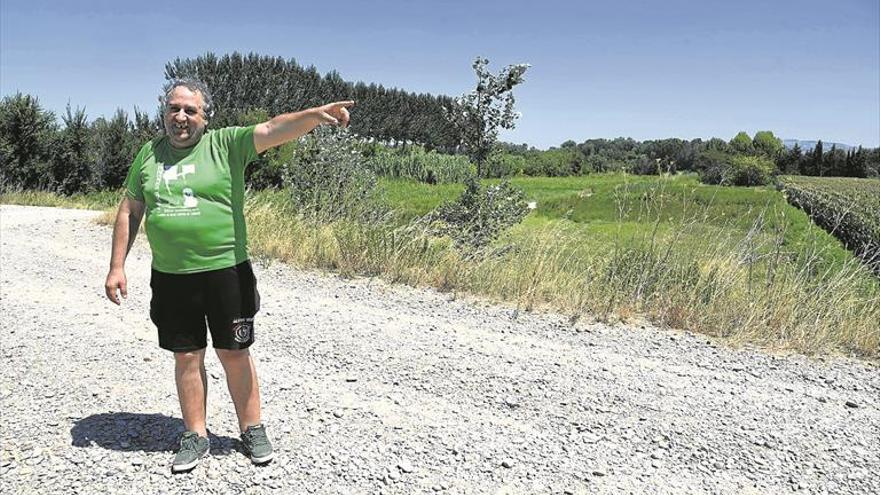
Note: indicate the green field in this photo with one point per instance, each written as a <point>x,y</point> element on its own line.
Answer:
<point>615,205</point>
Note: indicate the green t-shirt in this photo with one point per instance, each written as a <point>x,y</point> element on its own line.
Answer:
<point>194,199</point>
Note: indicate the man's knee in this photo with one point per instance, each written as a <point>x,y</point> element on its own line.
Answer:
<point>190,358</point>
<point>232,355</point>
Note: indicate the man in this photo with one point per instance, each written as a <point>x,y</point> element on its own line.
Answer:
<point>190,184</point>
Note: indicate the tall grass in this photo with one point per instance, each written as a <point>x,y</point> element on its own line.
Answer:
<point>762,276</point>
<point>424,166</point>
<point>746,288</point>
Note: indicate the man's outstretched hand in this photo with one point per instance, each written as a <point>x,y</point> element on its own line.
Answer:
<point>116,281</point>
<point>289,126</point>
<point>335,113</point>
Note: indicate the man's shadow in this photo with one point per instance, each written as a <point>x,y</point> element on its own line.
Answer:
<point>137,432</point>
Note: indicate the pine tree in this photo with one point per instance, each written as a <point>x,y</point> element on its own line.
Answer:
<point>790,163</point>
<point>115,149</point>
<point>73,159</point>
<point>818,165</point>
<point>27,132</point>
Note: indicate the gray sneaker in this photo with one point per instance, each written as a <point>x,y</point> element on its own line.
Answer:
<point>192,449</point>
<point>256,444</point>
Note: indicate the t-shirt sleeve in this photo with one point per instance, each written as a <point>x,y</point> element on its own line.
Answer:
<point>241,145</point>
<point>133,185</point>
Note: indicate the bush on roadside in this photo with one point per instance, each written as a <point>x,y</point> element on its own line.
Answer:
<point>327,178</point>
<point>479,215</point>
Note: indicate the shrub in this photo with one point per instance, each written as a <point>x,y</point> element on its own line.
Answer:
<point>712,165</point>
<point>748,171</point>
<point>328,179</point>
<point>480,214</point>
<point>717,167</point>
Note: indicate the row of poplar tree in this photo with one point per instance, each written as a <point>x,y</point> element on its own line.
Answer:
<point>38,153</point>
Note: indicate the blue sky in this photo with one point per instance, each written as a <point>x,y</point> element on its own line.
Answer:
<point>643,69</point>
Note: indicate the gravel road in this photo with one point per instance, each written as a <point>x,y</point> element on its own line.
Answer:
<point>372,388</point>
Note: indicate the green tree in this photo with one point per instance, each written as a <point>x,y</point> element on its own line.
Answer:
<point>835,162</point>
<point>242,83</point>
<point>480,113</point>
<point>145,128</point>
<point>115,149</point>
<point>26,135</point>
<point>790,161</point>
<point>741,143</point>
<point>858,165</point>
<point>818,160</point>
<point>73,159</point>
<point>765,143</point>
<point>717,144</point>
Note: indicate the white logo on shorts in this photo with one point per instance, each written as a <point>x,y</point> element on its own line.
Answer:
<point>242,328</point>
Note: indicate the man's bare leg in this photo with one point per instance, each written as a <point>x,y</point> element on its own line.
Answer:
<point>241,377</point>
<point>192,389</point>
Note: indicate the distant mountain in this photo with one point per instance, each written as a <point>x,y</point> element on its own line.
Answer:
<point>808,145</point>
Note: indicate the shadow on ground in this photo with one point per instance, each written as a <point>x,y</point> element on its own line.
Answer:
<point>137,432</point>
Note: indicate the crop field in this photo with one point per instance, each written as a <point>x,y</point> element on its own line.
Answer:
<point>603,209</point>
<point>849,208</point>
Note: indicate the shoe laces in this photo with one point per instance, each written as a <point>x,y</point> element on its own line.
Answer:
<point>189,441</point>
<point>256,435</point>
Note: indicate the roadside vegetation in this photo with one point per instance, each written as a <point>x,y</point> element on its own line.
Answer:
<point>734,263</point>
<point>688,234</point>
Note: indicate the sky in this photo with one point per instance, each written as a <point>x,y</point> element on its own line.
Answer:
<point>642,69</point>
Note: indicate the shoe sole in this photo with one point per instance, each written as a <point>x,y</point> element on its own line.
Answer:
<point>262,460</point>
<point>181,468</point>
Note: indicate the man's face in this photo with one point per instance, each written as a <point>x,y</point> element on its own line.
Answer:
<point>184,117</point>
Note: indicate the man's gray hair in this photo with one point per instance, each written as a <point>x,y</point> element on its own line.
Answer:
<point>193,85</point>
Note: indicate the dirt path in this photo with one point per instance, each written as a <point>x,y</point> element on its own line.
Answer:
<point>371,388</point>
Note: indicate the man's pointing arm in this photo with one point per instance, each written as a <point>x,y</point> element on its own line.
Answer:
<point>289,126</point>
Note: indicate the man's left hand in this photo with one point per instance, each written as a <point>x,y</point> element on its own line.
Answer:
<point>335,113</point>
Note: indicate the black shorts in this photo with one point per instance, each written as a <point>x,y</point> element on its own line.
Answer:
<point>227,299</point>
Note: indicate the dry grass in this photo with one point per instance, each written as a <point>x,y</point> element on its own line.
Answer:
<point>745,290</point>
<point>748,288</point>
